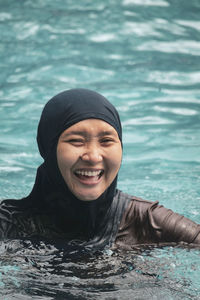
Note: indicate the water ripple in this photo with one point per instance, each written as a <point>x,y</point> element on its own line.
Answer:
<point>48,270</point>
<point>144,56</point>
<point>101,38</point>
<point>5,16</point>
<point>189,23</point>
<point>149,120</point>
<point>161,3</point>
<point>180,46</point>
<point>174,78</point>
<point>178,111</point>
<point>152,28</point>
<point>26,29</point>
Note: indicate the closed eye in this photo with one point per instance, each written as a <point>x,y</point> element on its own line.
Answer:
<point>75,142</point>
<point>107,141</point>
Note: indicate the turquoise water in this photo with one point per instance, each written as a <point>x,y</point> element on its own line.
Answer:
<point>145,57</point>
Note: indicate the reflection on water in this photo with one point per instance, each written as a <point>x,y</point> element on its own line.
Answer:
<point>142,55</point>
<point>33,269</point>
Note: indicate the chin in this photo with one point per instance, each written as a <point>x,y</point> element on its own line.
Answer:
<point>88,197</point>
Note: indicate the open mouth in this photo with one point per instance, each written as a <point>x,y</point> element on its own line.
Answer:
<point>89,175</point>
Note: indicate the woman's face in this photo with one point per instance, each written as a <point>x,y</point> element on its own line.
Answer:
<point>89,155</point>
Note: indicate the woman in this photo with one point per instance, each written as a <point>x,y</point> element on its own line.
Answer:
<point>75,195</point>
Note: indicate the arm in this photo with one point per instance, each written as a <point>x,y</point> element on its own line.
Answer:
<point>172,227</point>
<point>145,222</point>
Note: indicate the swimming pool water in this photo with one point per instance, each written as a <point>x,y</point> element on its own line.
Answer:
<point>145,57</point>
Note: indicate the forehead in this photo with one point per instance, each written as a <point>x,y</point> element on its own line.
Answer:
<point>91,126</point>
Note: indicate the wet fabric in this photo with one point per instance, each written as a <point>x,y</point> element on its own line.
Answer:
<point>148,223</point>
<point>141,223</point>
<point>68,108</point>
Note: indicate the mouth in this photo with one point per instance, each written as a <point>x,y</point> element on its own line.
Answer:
<point>89,176</point>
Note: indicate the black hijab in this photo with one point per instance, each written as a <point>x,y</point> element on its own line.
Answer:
<point>94,221</point>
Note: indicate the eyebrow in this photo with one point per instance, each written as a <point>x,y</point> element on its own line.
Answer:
<point>83,133</point>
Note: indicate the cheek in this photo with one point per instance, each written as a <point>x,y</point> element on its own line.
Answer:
<point>114,159</point>
<point>64,160</point>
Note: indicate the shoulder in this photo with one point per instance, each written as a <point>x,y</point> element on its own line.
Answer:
<point>138,208</point>
<point>11,203</point>
<point>18,218</point>
<point>11,208</point>
<point>137,201</point>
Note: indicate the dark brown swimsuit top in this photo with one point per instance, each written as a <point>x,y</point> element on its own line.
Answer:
<point>142,223</point>
<point>147,222</point>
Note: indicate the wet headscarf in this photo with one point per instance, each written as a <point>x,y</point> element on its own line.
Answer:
<point>50,191</point>
<point>68,108</point>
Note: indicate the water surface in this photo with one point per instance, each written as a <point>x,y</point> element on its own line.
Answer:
<point>145,57</point>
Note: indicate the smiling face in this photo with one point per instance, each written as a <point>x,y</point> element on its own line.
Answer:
<point>89,156</point>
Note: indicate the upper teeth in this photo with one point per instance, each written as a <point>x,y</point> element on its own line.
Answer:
<point>88,173</point>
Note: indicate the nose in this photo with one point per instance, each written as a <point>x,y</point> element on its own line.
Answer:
<point>92,154</point>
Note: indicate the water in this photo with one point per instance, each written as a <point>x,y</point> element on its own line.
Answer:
<point>44,271</point>
<point>145,57</point>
